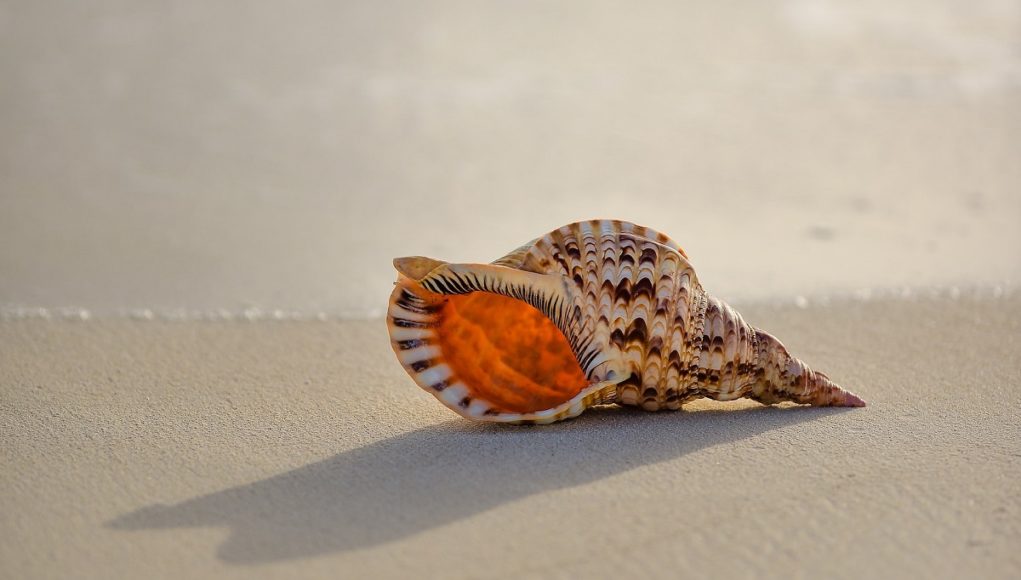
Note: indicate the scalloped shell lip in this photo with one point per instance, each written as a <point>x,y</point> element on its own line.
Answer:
<point>414,324</point>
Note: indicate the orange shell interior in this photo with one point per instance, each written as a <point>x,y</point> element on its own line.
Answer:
<point>507,352</point>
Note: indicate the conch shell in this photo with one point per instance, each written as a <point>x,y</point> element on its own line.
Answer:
<point>593,313</point>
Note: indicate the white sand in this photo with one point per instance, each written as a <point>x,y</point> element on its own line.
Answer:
<point>284,449</point>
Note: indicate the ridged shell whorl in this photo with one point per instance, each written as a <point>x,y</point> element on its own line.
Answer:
<point>594,312</point>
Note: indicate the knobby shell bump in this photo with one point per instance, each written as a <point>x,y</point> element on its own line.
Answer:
<point>593,313</point>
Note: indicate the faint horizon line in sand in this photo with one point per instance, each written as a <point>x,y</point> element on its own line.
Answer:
<point>15,311</point>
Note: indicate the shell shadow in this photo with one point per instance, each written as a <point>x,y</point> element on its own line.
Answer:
<point>413,482</point>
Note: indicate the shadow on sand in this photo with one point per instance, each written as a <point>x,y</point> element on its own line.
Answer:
<point>413,482</point>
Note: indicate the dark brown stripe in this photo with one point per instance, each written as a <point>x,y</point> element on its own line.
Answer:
<point>587,358</point>
<point>405,323</point>
<point>644,286</point>
<point>410,302</point>
<point>633,381</point>
<point>617,337</point>
<point>416,308</point>
<point>637,332</point>
<point>410,344</point>
<point>421,365</point>
<point>623,291</point>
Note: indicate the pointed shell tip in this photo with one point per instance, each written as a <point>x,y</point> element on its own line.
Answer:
<point>852,400</point>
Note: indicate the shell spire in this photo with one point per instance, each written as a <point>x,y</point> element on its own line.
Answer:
<point>592,313</point>
<point>785,378</point>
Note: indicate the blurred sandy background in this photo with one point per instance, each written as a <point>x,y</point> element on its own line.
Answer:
<point>204,156</point>
<point>186,162</point>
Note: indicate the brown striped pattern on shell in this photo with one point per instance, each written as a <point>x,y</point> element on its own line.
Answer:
<point>639,310</point>
<point>641,327</point>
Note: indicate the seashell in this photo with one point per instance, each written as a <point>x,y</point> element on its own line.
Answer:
<point>593,313</point>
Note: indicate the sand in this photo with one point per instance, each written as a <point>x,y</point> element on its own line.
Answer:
<point>280,449</point>
<point>175,177</point>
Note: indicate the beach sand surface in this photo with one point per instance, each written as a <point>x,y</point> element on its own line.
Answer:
<point>163,449</point>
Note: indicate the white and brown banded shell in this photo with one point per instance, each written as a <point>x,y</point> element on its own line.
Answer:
<point>595,312</point>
